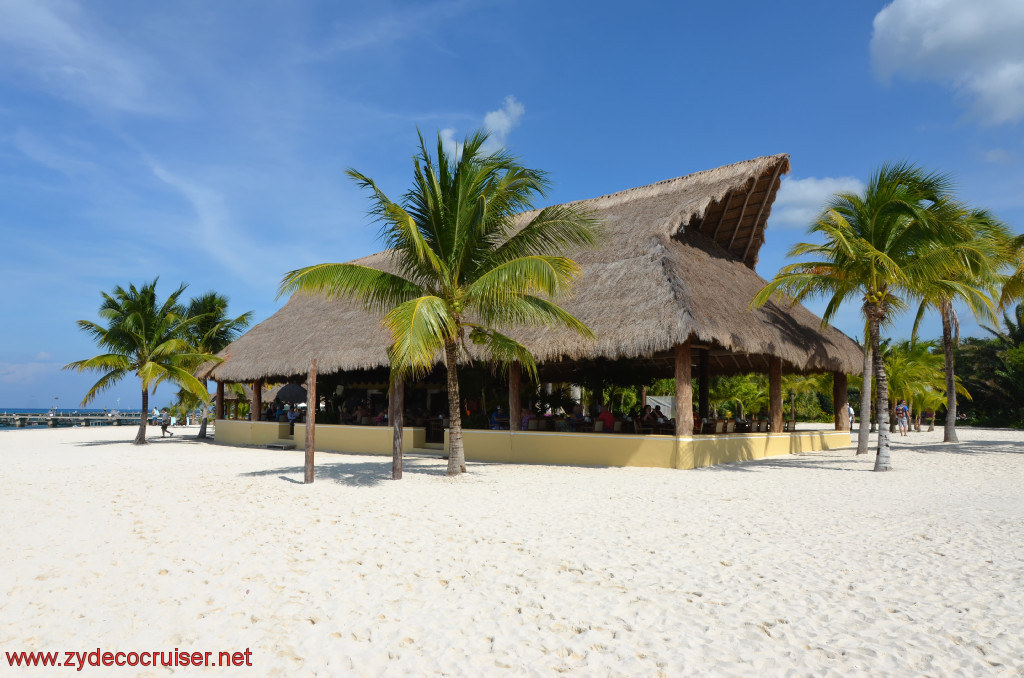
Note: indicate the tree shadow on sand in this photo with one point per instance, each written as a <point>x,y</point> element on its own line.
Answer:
<point>354,474</point>
<point>156,440</point>
<point>970,447</point>
<point>803,460</point>
<point>810,460</point>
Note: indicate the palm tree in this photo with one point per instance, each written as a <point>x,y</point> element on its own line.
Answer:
<point>461,265</point>
<point>915,369</point>
<point>1013,287</point>
<point>212,330</point>
<point>801,384</point>
<point>977,246</point>
<point>872,253</point>
<point>145,338</point>
<point>865,397</point>
<point>749,392</point>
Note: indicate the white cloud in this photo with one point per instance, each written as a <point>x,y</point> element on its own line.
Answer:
<point>999,156</point>
<point>215,229</point>
<point>799,201</point>
<point>975,48</point>
<point>387,28</point>
<point>498,124</point>
<point>46,154</point>
<point>451,145</point>
<point>211,228</point>
<point>24,373</point>
<point>57,44</point>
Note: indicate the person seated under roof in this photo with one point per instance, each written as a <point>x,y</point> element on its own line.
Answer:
<point>499,420</point>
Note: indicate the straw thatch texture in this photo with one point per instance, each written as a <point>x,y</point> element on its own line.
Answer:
<point>676,262</point>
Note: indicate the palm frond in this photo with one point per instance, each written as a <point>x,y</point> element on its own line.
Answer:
<point>419,328</point>
<point>377,289</point>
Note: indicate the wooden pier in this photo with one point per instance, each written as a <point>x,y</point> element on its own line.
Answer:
<point>53,420</point>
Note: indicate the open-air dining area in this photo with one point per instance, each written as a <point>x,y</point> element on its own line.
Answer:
<point>689,243</point>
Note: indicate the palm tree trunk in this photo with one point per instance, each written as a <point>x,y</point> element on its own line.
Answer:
<point>865,404</point>
<point>456,455</point>
<point>949,433</point>
<point>202,426</point>
<point>883,460</point>
<point>140,437</point>
<point>396,405</point>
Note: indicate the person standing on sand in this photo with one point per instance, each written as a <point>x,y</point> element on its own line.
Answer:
<point>901,417</point>
<point>165,421</point>
<point>849,411</point>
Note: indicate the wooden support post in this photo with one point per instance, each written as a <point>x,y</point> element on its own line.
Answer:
<point>311,407</point>
<point>643,398</point>
<point>684,390</point>
<point>256,413</point>
<point>396,409</point>
<point>775,394</point>
<point>839,401</point>
<point>515,376</point>
<point>704,394</point>
<point>219,408</point>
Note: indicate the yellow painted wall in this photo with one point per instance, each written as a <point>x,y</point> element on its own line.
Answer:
<point>244,432</point>
<point>329,437</point>
<point>582,449</point>
<point>528,447</point>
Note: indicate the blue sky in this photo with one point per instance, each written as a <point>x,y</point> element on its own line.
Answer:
<point>206,142</point>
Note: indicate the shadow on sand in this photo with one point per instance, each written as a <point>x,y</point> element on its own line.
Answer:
<point>150,440</point>
<point>355,474</point>
<point>899,446</point>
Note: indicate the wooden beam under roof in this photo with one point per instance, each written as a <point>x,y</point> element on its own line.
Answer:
<point>764,203</point>
<point>721,218</point>
<point>743,210</point>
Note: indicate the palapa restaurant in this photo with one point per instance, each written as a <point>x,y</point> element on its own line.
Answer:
<point>667,294</point>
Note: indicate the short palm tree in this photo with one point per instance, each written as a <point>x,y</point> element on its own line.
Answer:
<point>1013,287</point>
<point>749,392</point>
<point>802,384</point>
<point>915,369</point>
<point>212,330</point>
<point>461,265</point>
<point>871,253</point>
<point>976,246</point>
<point>145,338</point>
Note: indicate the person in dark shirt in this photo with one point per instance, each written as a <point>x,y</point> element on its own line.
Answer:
<point>499,420</point>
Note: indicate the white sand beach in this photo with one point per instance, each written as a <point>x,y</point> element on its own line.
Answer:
<point>793,566</point>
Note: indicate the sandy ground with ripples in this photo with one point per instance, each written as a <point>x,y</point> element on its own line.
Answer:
<point>796,565</point>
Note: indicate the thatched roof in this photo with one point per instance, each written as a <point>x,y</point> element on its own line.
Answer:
<point>676,261</point>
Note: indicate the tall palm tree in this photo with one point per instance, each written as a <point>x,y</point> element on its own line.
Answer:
<point>865,396</point>
<point>461,265</point>
<point>212,330</point>
<point>145,338</point>
<point>976,246</point>
<point>871,253</point>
